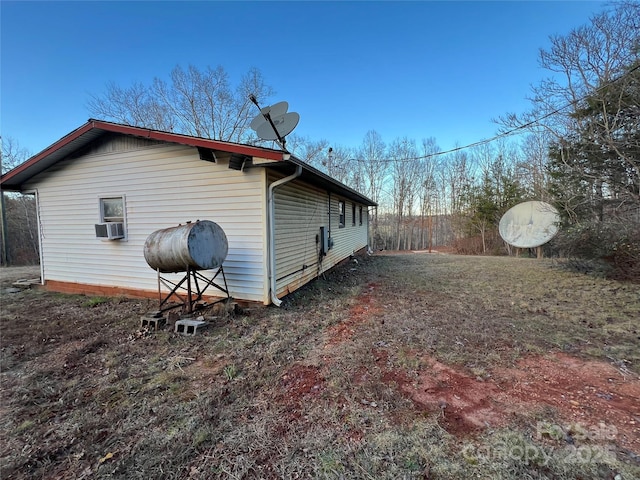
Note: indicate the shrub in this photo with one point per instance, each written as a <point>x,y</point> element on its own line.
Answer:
<point>615,243</point>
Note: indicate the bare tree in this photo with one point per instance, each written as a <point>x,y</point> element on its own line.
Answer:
<point>195,102</point>
<point>134,105</point>
<point>374,168</point>
<point>22,229</point>
<point>338,163</point>
<point>405,170</point>
<point>588,114</point>
<point>313,152</point>
<point>597,153</point>
<point>372,152</point>
<point>428,190</point>
<point>531,169</point>
<point>582,61</point>
<point>459,176</point>
<point>12,154</point>
<point>18,228</point>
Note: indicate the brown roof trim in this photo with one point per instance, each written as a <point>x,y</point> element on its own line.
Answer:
<point>242,149</point>
<point>14,179</point>
<point>101,125</point>
<point>47,151</point>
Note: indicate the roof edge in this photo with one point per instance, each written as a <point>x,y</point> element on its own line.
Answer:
<point>340,186</point>
<point>94,124</point>
<point>47,157</point>
<point>47,151</point>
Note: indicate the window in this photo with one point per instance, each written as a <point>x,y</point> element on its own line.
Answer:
<point>353,214</point>
<point>341,210</point>
<point>113,218</point>
<point>360,214</point>
<point>112,209</point>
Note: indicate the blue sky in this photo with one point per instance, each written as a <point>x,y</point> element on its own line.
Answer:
<point>414,69</point>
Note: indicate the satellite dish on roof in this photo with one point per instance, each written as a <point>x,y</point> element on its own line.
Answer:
<point>529,224</point>
<point>273,122</point>
<point>275,110</point>
<point>284,125</point>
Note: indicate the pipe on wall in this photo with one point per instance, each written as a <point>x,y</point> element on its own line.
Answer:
<point>272,229</point>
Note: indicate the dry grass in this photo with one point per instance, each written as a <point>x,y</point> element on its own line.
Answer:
<point>502,308</point>
<point>310,390</point>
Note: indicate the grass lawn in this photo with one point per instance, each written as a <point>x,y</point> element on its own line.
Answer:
<point>411,365</point>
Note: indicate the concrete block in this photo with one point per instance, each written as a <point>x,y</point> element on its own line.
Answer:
<point>152,321</point>
<point>189,327</point>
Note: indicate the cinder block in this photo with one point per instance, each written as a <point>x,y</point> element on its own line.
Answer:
<point>189,327</point>
<point>154,321</point>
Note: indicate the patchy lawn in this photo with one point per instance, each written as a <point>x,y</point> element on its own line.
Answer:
<point>398,366</point>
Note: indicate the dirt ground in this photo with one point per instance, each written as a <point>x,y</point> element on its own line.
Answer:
<point>394,366</point>
<point>8,275</point>
<point>584,392</point>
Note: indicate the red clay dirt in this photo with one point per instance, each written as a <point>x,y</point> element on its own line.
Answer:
<point>300,381</point>
<point>591,394</point>
<point>587,393</point>
<point>358,313</point>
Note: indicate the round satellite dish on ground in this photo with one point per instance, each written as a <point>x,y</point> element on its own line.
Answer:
<point>284,124</point>
<point>529,224</point>
<point>275,110</point>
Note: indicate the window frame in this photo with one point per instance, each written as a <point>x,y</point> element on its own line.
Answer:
<point>111,219</point>
<point>341,213</point>
<point>353,214</point>
<point>360,214</point>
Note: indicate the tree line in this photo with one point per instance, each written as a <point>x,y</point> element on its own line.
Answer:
<point>577,147</point>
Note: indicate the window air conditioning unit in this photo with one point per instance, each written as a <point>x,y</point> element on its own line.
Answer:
<point>110,230</point>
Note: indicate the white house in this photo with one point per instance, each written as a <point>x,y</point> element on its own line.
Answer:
<point>277,212</point>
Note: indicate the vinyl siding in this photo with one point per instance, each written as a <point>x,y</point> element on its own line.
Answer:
<point>301,210</point>
<point>163,185</point>
<point>349,239</point>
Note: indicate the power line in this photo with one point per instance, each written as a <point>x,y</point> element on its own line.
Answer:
<point>513,130</point>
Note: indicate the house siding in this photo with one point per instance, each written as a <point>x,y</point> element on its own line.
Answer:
<point>350,238</point>
<point>300,211</point>
<point>163,185</point>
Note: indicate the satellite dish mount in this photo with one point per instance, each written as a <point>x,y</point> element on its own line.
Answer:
<point>274,123</point>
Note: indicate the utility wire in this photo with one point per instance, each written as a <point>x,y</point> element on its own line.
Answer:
<point>513,130</point>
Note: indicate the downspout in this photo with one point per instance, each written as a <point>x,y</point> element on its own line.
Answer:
<point>329,213</point>
<point>271,220</point>
<point>4,259</point>
<point>34,192</point>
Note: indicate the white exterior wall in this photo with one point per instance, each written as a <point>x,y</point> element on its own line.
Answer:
<point>301,210</point>
<point>351,238</point>
<point>164,185</point>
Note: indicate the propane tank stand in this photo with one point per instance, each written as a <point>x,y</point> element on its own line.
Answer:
<point>188,292</point>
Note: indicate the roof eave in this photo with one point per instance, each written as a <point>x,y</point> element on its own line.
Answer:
<point>14,179</point>
<point>338,187</point>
